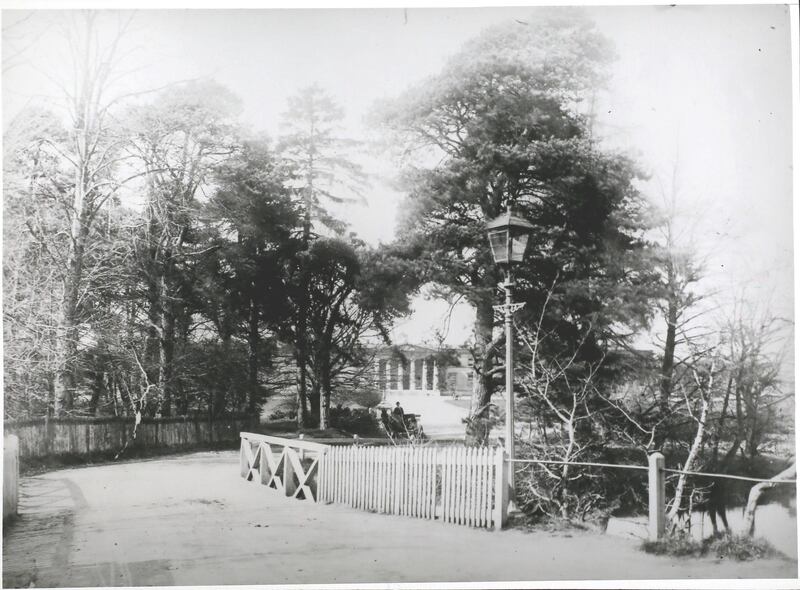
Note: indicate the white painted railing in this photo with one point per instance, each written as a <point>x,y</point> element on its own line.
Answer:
<point>452,484</point>
<point>286,465</point>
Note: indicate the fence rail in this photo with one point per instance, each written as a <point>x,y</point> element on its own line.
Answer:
<point>42,438</point>
<point>289,466</point>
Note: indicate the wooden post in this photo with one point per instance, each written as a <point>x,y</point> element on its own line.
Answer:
<point>289,485</point>
<point>500,489</point>
<point>655,484</point>
<point>244,464</point>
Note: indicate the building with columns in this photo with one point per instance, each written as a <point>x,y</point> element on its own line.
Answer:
<point>414,369</point>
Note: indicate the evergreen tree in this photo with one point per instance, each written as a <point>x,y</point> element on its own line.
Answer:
<point>502,122</point>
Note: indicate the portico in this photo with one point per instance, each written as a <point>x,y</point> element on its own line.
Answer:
<point>408,369</point>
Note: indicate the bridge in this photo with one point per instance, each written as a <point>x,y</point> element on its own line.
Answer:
<point>192,520</point>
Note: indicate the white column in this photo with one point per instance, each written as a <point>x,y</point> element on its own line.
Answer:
<point>387,370</point>
<point>377,373</point>
<point>435,376</point>
<point>400,374</point>
<point>424,375</point>
<point>412,382</point>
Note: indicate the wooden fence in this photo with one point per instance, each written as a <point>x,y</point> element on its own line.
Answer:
<point>10,476</point>
<point>83,436</point>
<point>288,466</point>
<point>453,484</point>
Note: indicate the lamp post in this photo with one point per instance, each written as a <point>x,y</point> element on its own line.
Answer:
<point>508,238</point>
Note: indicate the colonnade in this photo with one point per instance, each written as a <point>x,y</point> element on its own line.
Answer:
<point>391,375</point>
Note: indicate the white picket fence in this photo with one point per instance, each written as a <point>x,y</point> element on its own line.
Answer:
<point>452,484</point>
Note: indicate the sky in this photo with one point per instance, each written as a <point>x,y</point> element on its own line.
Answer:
<point>700,97</point>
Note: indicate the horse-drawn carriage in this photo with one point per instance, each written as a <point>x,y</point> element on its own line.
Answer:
<point>401,425</point>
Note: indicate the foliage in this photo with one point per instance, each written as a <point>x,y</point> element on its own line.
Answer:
<point>355,421</point>
<point>365,396</point>
<point>579,494</point>
<point>738,547</point>
<point>679,544</point>
<point>501,122</point>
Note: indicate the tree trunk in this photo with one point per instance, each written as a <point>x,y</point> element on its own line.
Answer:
<point>166,348</point>
<point>253,341</point>
<point>325,398</point>
<point>314,399</point>
<point>67,346</point>
<point>693,453</point>
<point>97,390</point>
<point>755,494</point>
<point>479,422</point>
<point>668,361</point>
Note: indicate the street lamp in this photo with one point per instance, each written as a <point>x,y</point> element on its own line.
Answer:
<point>508,238</point>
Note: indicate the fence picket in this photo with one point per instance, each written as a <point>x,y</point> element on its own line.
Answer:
<point>341,476</point>
<point>319,478</point>
<point>479,487</point>
<point>425,479</point>
<point>326,465</point>
<point>452,490</point>
<point>426,453</point>
<point>403,479</point>
<point>483,475</point>
<point>452,484</point>
<point>468,459</point>
<point>417,477</point>
<point>348,469</point>
<point>460,484</point>
<point>445,486</point>
<point>360,497</point>
<point>432,483</point>
<point>384,503</point>
<point>381,488</point>
<point>399,481</point>
<point>374,485</point>
<point>471,485</point>
<point>356,476</point>
<point>338,479</point>
<point>451,468</point>
<point>364,477</point>
<point>370,472</point>
<point>465,488</point>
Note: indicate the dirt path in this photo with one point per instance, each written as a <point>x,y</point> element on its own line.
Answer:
<point>190,520</point>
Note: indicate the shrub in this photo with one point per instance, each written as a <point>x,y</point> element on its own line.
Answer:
<point>678,544</point>
<point>738,547</point>
<point>587,495</point>
<point>363,396</point>
<point>283,415</point>
<point>355,421</point>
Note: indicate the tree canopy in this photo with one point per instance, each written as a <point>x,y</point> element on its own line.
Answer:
<point>501,123</point>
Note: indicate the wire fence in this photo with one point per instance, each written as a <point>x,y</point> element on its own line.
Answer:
<point>645,468</point>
